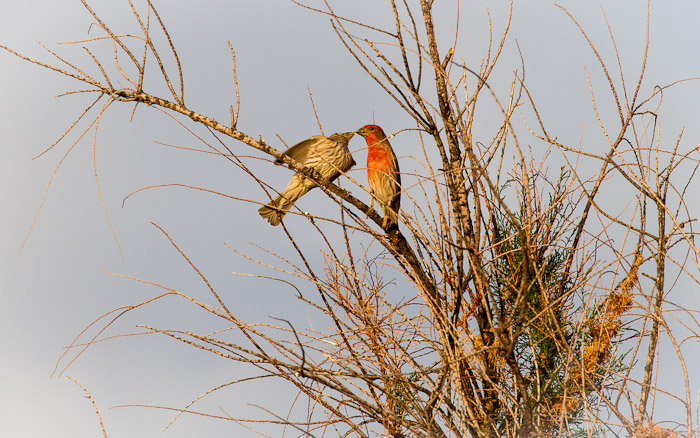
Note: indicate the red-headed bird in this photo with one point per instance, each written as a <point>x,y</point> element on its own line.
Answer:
<point>329,156</point>
<point>382,173</point>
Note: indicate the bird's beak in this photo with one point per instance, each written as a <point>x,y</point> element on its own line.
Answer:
<point>348,135</point>
<point>361,131</point>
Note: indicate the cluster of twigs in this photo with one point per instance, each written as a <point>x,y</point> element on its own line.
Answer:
<point>505,324</point>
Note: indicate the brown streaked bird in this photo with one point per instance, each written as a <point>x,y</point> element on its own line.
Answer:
<point>329,156</point>
<point>382,173</point>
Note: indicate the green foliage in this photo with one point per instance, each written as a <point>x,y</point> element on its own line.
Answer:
<point>535,298</point>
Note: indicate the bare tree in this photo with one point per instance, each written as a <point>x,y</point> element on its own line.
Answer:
<point>524,318</point>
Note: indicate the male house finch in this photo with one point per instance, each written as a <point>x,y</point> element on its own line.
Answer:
<point>382,172</point>
<point>329,156</point>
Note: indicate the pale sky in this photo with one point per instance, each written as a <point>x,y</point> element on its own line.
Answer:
<point>62,280</point>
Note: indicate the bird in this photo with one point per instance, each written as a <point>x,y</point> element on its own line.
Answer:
<point>382,173</point>
<point>329,156</point>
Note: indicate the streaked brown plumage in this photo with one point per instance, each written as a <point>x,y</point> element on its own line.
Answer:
<point>329,156</point>
<point>382,172</point>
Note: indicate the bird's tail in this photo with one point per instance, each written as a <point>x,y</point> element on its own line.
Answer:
<point>275,210</point>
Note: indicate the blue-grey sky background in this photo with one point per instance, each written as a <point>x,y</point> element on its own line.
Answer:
<point>62,280</point>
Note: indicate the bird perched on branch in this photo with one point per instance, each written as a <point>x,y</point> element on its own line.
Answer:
<point>329,156</point>
<point>382,173</point>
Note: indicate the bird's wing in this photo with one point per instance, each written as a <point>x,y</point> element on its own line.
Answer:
<point>300,151</point>
<point>395,164</point>
<point>396,202</point>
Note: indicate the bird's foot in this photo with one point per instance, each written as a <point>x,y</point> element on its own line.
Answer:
<point>394,234</point>
<point>389,226</point>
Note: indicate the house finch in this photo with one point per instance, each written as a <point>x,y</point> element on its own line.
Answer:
<point>382,172</point>
<point>329,156</point>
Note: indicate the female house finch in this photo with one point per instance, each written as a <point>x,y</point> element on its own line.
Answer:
<point>329,156</point>
<point>382,172</point>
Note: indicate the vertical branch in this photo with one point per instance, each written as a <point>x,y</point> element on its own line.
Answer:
<point>313,106</point>
<point>180,99</point>
<point>661,254</point>
<point>94,406</point>
<point>234,114</point>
